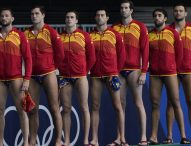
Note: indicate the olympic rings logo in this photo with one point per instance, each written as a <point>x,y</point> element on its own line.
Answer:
<point>49,131</point>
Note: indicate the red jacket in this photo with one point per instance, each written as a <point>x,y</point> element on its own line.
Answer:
<point>165,55</point>
<point>79,54</point>
<point>136,42</point>
<point>13,49</point>
<point>185,35</point>
<point>46,48</point>
<point>110,53</point>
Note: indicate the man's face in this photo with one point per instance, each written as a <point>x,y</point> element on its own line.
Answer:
<point>71,19</point>
<point>101,17</point>
<point>179,13</point>
<point>125,10</point>
<point>6,18</point>
<point>37,16</point>
<point>159,18</point>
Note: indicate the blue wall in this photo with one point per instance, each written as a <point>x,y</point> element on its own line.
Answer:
<point>107,129</point>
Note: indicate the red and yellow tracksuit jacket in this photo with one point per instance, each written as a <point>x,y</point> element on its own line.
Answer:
<point>135,36</point>
<point>13,48</point>
<point>79,54</point>
<point>110,53</point>
<point>165,54</point>
<point>46,48</point>
<point>185,35</point>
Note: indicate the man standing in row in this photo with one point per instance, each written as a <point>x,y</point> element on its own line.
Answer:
<point>184,74</point>
<point>133,73</point>
<point>110,57</point>
<point>14,48</point>
<point>79,58</point>
<point>164,62</point>
<point>47,54</point>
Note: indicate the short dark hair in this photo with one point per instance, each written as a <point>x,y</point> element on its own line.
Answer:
<point>75,12</point>
<point>103,9</point>
<point>41,8</point>
<point>180,4</point>
<point>7,9</point>
<point>131,5</point>
<point>162,11</point>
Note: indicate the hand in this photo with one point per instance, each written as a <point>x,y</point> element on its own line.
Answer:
<point>25,85</point>
<point>141,79</point>
<point>110,78</point>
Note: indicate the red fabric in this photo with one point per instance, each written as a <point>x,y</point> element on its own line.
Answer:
<point>13,49</point>
<point>185,34</point>
<point>110,53</point>
<point>27,103</point>
<point>46,48</point>
<point>79,54</point>
<point>136,42</point>
<point>165,52</point>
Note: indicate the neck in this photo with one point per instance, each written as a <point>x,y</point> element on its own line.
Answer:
<point>71,29</point>
<point>101,28</point>
<point>38,26</point>
<point>127,20</point>
<point>180,24</point>
<point>161,27</point>
<point>6,29</point>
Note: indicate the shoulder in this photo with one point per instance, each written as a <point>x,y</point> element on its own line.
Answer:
<point>115,33</point>
<point>50,28</point>
<point>116,24</point>
<point>83,33</point>
<point>188,24</point>
<point>27,30</point>
<point>169,28</point>
<point>172,32</point>
<point>111,29</point>
<point>140,24</point>
<point>18,32</point>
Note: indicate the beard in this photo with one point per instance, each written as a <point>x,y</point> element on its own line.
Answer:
<point>125,16</point>
<point>5,25</point>
<point>100,22</point>
<point>157,25</point>
<point>179,19</point>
